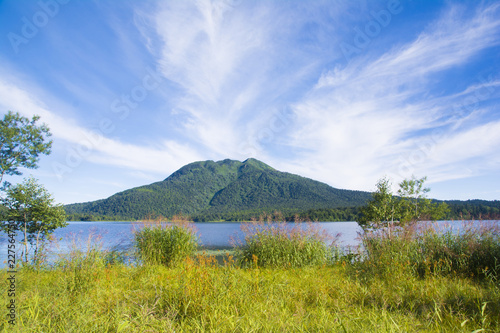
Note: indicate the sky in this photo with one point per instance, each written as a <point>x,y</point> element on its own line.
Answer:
<point>344,92</point>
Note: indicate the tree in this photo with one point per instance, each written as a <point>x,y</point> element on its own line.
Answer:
<point>21,142</point>
<point>414,200</point>
<point>414,204</point>
<point>383,206</point>
<point>411,204</point>
<point>30,209</point>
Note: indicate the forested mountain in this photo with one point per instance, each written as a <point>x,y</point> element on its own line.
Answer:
<point>223,190</point>
<point>474,209</point>
<point>234,191</point>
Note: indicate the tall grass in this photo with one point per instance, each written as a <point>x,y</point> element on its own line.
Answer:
<point>85,260</point>
<point>381,291</point>
<point>284,245</point>
<point>165,243</point>
<point>473,250</point>
<point>200,296</point>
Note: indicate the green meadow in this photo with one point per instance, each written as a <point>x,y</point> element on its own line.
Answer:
<point>411,279</point>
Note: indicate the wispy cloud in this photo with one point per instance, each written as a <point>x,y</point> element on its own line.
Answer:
<point>235,64</point>
<point>92,145</point>
<point>208,51</point>
<point>238,79</point>
<point>366,119</point>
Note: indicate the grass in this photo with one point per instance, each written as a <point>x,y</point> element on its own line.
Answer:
<point>374,292</point>
<point>425,249</point>
<point>280,245</point>
<point>160,242</point>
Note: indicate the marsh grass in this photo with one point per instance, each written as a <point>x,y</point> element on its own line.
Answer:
<point>160,242</point>
<point>85,259</point>
<point>374,292</point>
<point>473,250</point>
<point>40,258</point>
<point>198,295</point>
<point>279,244</point>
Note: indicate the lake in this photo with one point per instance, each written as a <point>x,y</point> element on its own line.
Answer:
<point>212,235</point>
<point>119,235</point>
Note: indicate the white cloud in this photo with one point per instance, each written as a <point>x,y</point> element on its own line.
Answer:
<point>235,64</point>
<point>207,46</point>
<point>263,79</point>
<point>367,119</point>
<point>92,145</point>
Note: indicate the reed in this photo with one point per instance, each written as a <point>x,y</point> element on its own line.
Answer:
<point>160,242</point>
<point>199,295</point>
<point>472,250</point>
<point>380,290</point>
<point>284,245</point>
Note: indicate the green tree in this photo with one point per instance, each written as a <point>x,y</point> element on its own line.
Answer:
<point>383,206</point>
<point>413,198</point>
<point>30,209</point>
<point>411,204</point>
<point>414,204</point>
<point>21,142</point>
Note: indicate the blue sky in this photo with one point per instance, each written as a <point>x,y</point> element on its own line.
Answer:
<point>344,92</point>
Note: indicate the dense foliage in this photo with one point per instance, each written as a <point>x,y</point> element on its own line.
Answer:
<point>3,211</point>
<point>224,190</point>
<point>277,244</point>
<point>165,243</point>
<point>411,204</point>
<point>30,209</point>
<point>237,191</point>
<point>26,208</point>
<point>421,249</point>
<point>474,209</point>
<point>21,142</point>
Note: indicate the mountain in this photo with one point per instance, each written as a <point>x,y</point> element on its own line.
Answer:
<point>223,190</point>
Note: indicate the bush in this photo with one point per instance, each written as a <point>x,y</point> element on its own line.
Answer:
<point>471,252</point>
<point>428,248</point>
<point>165,243</point>
<point>277,244</point>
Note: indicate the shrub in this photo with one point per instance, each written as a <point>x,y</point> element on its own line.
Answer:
<point>279,244</point>
<point>429,248</point>
<point>165,243</point>
<point>472,251</point>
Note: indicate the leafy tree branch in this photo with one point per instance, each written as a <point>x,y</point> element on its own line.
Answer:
<point>30,209</point>
<point>410,205</point>
<point>21,142</point>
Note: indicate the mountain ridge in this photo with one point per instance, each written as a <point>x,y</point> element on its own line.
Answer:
<point>210,190</point>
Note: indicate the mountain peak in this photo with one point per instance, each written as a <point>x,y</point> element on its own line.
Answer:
<point>219,190</point>
<point>252,162</point>
<point>222,166</point>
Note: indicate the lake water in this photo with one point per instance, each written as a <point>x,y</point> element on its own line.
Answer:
<point>215,235</point>
<point>119,235</point>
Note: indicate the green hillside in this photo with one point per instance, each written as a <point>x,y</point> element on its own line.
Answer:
<point>223,190</point>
